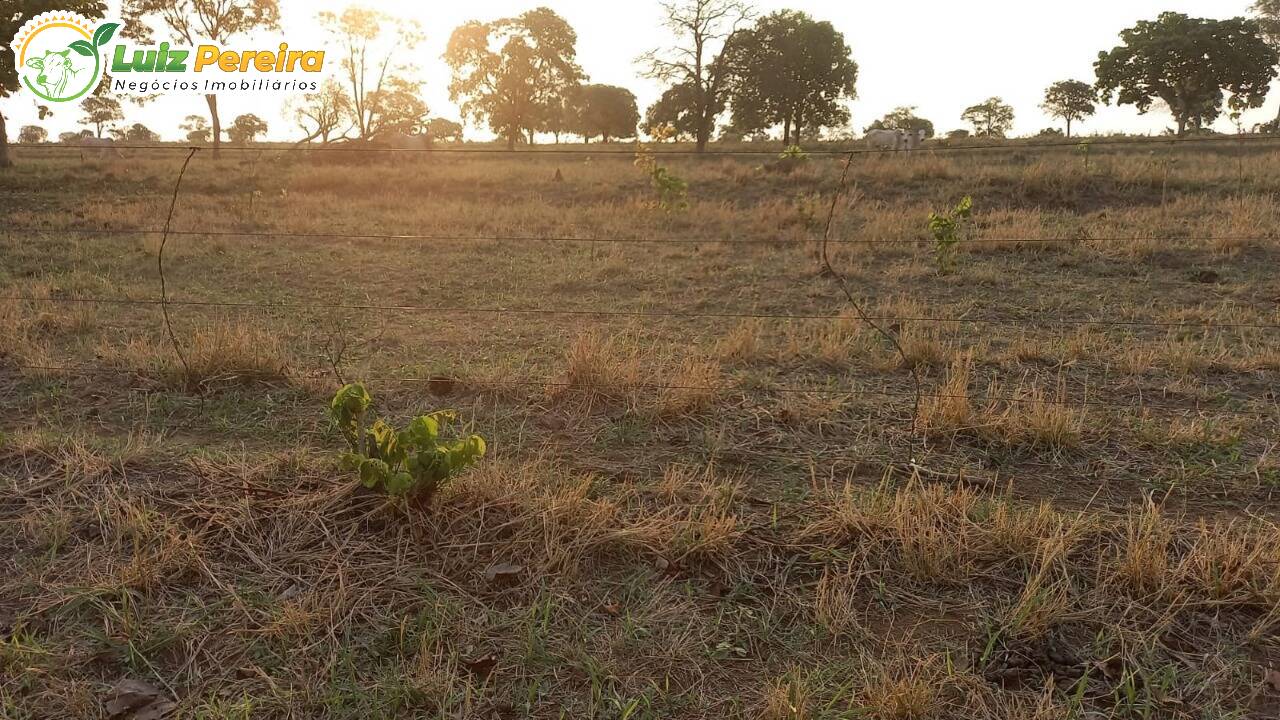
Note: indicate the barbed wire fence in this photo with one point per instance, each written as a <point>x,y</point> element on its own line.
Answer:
<point>886,326</point>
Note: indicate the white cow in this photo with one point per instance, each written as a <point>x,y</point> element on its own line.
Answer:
<point>913,140</point>
<point>885,139</point>
<point>900,140</point>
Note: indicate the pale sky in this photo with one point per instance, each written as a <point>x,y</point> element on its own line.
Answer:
<point>939,55</point>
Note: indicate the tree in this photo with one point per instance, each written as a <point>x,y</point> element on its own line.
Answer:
<point>442,129</point>
<point>1189,64</point>
<point>196,128</point>
<point>991,118</point>
<point>140,133</point>
<point>319,114</point>
<point>704,30</point>
<point>245,128</point>
<point>13,15</point>
<point>32,134</point>
<point>903,118</point>
<point>793,71</point>
<point>676,113</point>
<point>371,42</point>
<point>69,138</point>
<point>510,72</point>
<point>198,22</point>
<point>1268,12</point>
<point>1071,101</point>
<point>607,111</point>
<point>399,106</point>
<point>101,111</point>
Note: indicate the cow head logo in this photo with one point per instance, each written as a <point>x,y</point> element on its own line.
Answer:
<point>58,55</point>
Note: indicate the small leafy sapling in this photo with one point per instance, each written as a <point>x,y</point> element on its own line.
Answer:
<point>794,152</point>
<point>413,463</point>
<point>672,190</point>
<point>948,229</point>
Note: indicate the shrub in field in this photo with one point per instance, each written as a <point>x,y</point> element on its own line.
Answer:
<point>947,230</point>
<point>672,190</point>
<point>413,463</point>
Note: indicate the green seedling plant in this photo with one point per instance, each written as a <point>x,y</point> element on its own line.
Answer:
<point>794,152</point>
<point>413,463</point>
<point>948,229</point>
<point>672,190</point>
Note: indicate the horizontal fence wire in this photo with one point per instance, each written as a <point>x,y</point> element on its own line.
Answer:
<point>272,234</point>
<point>758,391</point>
<point>657,149</point>
<point>656,314</point>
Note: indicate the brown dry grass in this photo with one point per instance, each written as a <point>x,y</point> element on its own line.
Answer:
<point>708,514</point>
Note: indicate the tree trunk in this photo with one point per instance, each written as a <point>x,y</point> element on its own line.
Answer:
<point>212,100</point>
<point>511,139</point>
<point>786,130</point>
<point>4,145</point>
<point>1068,128</point>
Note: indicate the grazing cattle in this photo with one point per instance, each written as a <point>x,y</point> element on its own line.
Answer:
<point>885,139</point>
<point>107,146</point>
<point>56,73</point>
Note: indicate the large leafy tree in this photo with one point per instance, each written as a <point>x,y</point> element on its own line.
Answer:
<point>905,119</point>
<point>1189,64</point>
<point>706,31</point>
<point>246,128</point>
<point>509,72</point>
<point>675,115</point>
<point>101,111</point>
<point>13,13</point>
<point>990,118</point>
<point>791,70</point>
<point>605,111</point>
<point>193,22</point>
<point>32,135</point>
<point>444,129</point>
<point>371,46</point>
<point>1071,101</point>
<point>1268,12</point>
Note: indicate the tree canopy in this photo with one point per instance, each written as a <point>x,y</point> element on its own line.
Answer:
<point>903,118</point>
<point>697,65</point>
<point>245,128</point>
<point>377,82</point>
<point>509,72</point>
<point>675,114</point>
<point>990,118</point>
<point>791,70</point>
<point>32,134</point>
<point>604,111</point>
<point>101,111</point>
<point>1189,64</point>
<point>1071,101</point>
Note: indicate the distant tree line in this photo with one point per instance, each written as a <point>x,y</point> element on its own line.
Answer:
<point>783,72</point>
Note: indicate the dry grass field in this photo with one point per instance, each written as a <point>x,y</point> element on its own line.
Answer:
<point>692,507</point>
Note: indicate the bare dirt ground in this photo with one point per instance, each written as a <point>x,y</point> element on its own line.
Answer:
<point>709,493</point>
